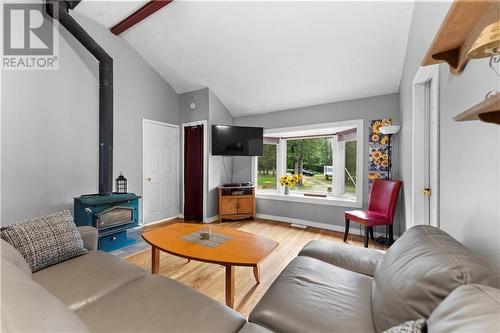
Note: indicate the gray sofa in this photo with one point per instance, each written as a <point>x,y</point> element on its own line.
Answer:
<point>332,287</point>
<point>329,287</point>
<point>97,292</point>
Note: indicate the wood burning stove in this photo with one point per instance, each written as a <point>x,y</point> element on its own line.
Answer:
<point>112,215</point>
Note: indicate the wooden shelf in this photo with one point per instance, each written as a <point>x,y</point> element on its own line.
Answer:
<point>234,187</point>
<point>236,206</point>
<point>488,111</point>
<point>238,196</point>
<point>461,27</point>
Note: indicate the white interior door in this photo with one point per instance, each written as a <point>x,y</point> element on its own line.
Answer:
<point>160,171</point>
<point>425,178</point>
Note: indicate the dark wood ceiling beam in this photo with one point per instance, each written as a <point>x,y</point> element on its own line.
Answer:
<point>140,14</point>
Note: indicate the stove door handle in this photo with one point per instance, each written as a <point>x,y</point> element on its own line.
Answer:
<point>89,211</point>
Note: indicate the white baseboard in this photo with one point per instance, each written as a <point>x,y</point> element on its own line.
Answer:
<point>353,230</point>
<point>161,221</point>
<point>211,219</point>
<point>205,220</point>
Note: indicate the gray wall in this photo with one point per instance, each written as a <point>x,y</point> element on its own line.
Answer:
<point>377,107</point>
<point>209,108</point>
<point>200,97</point>
<point>50,124</point>
<point>219,115</point>
<point>470,151</point>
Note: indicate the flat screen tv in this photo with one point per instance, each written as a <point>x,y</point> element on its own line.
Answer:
<point>237,140</point>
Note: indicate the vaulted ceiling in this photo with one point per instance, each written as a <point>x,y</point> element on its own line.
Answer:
<point>268,56</point>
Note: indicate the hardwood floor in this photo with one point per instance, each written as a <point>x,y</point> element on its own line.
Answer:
<point>209,278</point>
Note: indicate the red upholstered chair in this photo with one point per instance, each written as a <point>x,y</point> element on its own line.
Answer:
<point>381,207</point>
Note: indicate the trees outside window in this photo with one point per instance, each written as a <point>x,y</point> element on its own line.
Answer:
<point>350,167</point>
<point>308,157</point>
<point>266,168</point>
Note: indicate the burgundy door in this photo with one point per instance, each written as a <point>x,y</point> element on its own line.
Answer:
<point>193,173</point>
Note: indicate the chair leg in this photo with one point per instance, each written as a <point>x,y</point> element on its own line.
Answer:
<point>367,231</point>
<point>346,233</point>
<point>371,233</point>
<point>391,237</point>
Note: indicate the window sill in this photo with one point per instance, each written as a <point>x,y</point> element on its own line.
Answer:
<point>296,197</point>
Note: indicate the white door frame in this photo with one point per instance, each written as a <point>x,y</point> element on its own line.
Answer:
<point>205,164</point>
<point>425,88</point>
<point>149,121</point>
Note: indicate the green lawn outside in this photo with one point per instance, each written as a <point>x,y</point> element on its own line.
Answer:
<point>266,182</point>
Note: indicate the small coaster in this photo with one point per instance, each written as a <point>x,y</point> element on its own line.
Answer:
<point>214,241</point>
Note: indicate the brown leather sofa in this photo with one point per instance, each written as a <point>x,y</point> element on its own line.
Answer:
<point>329,287</point>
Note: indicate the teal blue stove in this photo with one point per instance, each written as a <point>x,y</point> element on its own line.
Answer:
<point>112,215</point>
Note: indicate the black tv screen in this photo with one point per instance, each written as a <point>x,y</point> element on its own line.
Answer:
<point>237,140</point>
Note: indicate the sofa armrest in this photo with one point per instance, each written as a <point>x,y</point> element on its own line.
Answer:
<point>356,259</point>
<point>89,237</point>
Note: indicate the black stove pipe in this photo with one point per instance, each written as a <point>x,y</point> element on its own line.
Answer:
<point>59,11</point>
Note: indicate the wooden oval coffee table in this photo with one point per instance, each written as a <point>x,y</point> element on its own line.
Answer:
<point>242,249</point>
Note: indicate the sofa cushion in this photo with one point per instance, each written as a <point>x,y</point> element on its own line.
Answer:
<point>82,280</point>
<point>45,241</point>
<point>253,328</point>
<point>159,304</point>
<point>10,254</point>
<point>28,307</point>
<point>354,258</point>
<point>420,270</point>
<point>469,308</point>
<point>313,296</point>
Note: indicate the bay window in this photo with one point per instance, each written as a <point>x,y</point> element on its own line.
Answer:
<point>328,157</point>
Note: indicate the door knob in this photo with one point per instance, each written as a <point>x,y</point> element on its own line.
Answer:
<point>427,192</point>
<point>148,179</point>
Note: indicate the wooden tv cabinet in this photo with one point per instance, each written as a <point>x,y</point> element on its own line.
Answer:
<point>236,202</point>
